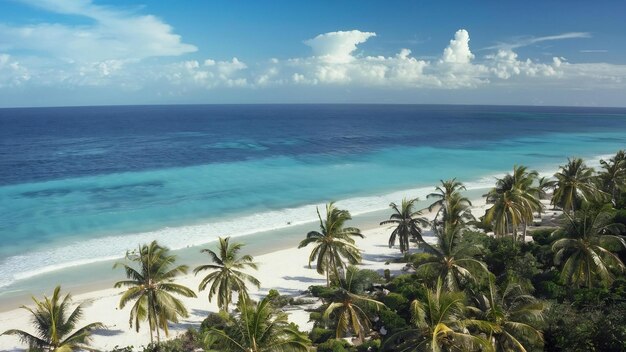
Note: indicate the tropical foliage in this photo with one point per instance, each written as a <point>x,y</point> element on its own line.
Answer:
<point>587,249</point>
<point>150,285</point>
<point>407,224</point>
<point>55,323</point>
<point>575,185</point>
<point>515,200</point>
<point>226,273</point>
<point>333,243</point>
<point>258,328</point>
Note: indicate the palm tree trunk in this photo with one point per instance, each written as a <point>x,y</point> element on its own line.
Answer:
<point>327,273</point>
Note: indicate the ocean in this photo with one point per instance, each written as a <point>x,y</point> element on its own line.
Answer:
<point>84,185</point>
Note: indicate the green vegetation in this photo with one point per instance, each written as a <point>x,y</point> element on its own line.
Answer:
<point>481,287</point>
<point>226,274</point>
<point>54,322</point>
<point>406,223</point>
<point>333,242</point>
<point>151,286</point>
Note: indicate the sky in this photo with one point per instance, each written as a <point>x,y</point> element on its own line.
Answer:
<point>96,52</point>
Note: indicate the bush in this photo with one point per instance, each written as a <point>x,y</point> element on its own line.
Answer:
<point>392,322</point>
<point>395,301</point>
<point>333,345</point>
<point>369,346</point>
<point>322,291</point>
<point>542,236</point>
<point>320,335</point>
<point>215,320</point>
<point>408,285</point>
<point>277,299</point>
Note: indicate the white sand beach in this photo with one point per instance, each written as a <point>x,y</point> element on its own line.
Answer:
<point>286,271</point>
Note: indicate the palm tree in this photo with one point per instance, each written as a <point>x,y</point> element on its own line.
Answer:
<point>587,248</point>
<point>452,261</point>
<point>613,177</point>
<point>151,286</point>
<point>508,319</point>
<point>438,325</point>
<point>407,223</point>
<point>444,194</point>
<point>226,274</point>
<point>349,308</point>
<point>259,328</point>
<point>333,242</point>
<point>515,200</point>
<point>575,184</point>
<point>54,321</point>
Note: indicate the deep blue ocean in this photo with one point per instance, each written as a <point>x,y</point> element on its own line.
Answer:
<point>84,184</point>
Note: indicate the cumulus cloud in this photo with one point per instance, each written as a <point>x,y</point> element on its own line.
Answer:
<point>458,52</point>
<point>337,47</point>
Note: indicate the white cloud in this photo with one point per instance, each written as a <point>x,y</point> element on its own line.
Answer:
<point>526,41</point>
<point>12,73</point>
<point>458,52</point>
<point>113,35</point>
<point>337,47</point>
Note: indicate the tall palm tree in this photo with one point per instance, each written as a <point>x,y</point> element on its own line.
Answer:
<point>152,288</point>
<point>439,324</point>
<point>226,274</point>
<point>259,328</point>
<point>333,242</point>
<point>587,250</point>
<point>443,195</point>
<point>613,177</point>
<point>509,319</point>
<point>453,262</point>
<point>407,224</point>
<point>515,200</point>
<point>575,184</point>
<point>54,321</point>
<point>349,308</point>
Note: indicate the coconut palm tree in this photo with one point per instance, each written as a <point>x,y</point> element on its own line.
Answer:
<point>54,322</point>
<point>152,288</point>
<point>333,242</point>
<point>587,249</point>
<point>439,324</point>
<point>443,194</point>
<point>613,175</point>
<point>509,319</point>
<point>259,328</point>
<point>515,200</point>
<point>349,308</point>
<point>453,262</point>
<point>575,184</point>
<point>407,224</point>
<point>226,274</point>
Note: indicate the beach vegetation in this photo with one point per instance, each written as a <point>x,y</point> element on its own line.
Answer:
<point>151,271</point>
<point>258,327</point>
<point>55,323</point>
<point>333,243</point>
<point>226,273</point>
<point>407,223</point>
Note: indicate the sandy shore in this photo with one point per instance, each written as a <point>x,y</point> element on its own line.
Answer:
<point>286,271</point>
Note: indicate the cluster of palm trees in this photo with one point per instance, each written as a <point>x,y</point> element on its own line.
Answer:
<point>464,308</point>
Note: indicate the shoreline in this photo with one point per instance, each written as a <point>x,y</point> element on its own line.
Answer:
<point>293,279</point>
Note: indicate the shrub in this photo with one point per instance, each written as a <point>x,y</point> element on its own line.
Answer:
<point>215,320</point>
<point>542,236</point>
<point>369,346</point>
<point>322,291</point>
<point>320,335</point>
<point>395,301</point>
<point>392,322</point>
<point>333,345</point>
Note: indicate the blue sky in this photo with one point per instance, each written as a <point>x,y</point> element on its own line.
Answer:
<point>81,52</point>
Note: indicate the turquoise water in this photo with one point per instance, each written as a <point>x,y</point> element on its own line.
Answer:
<point>76,196</point>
